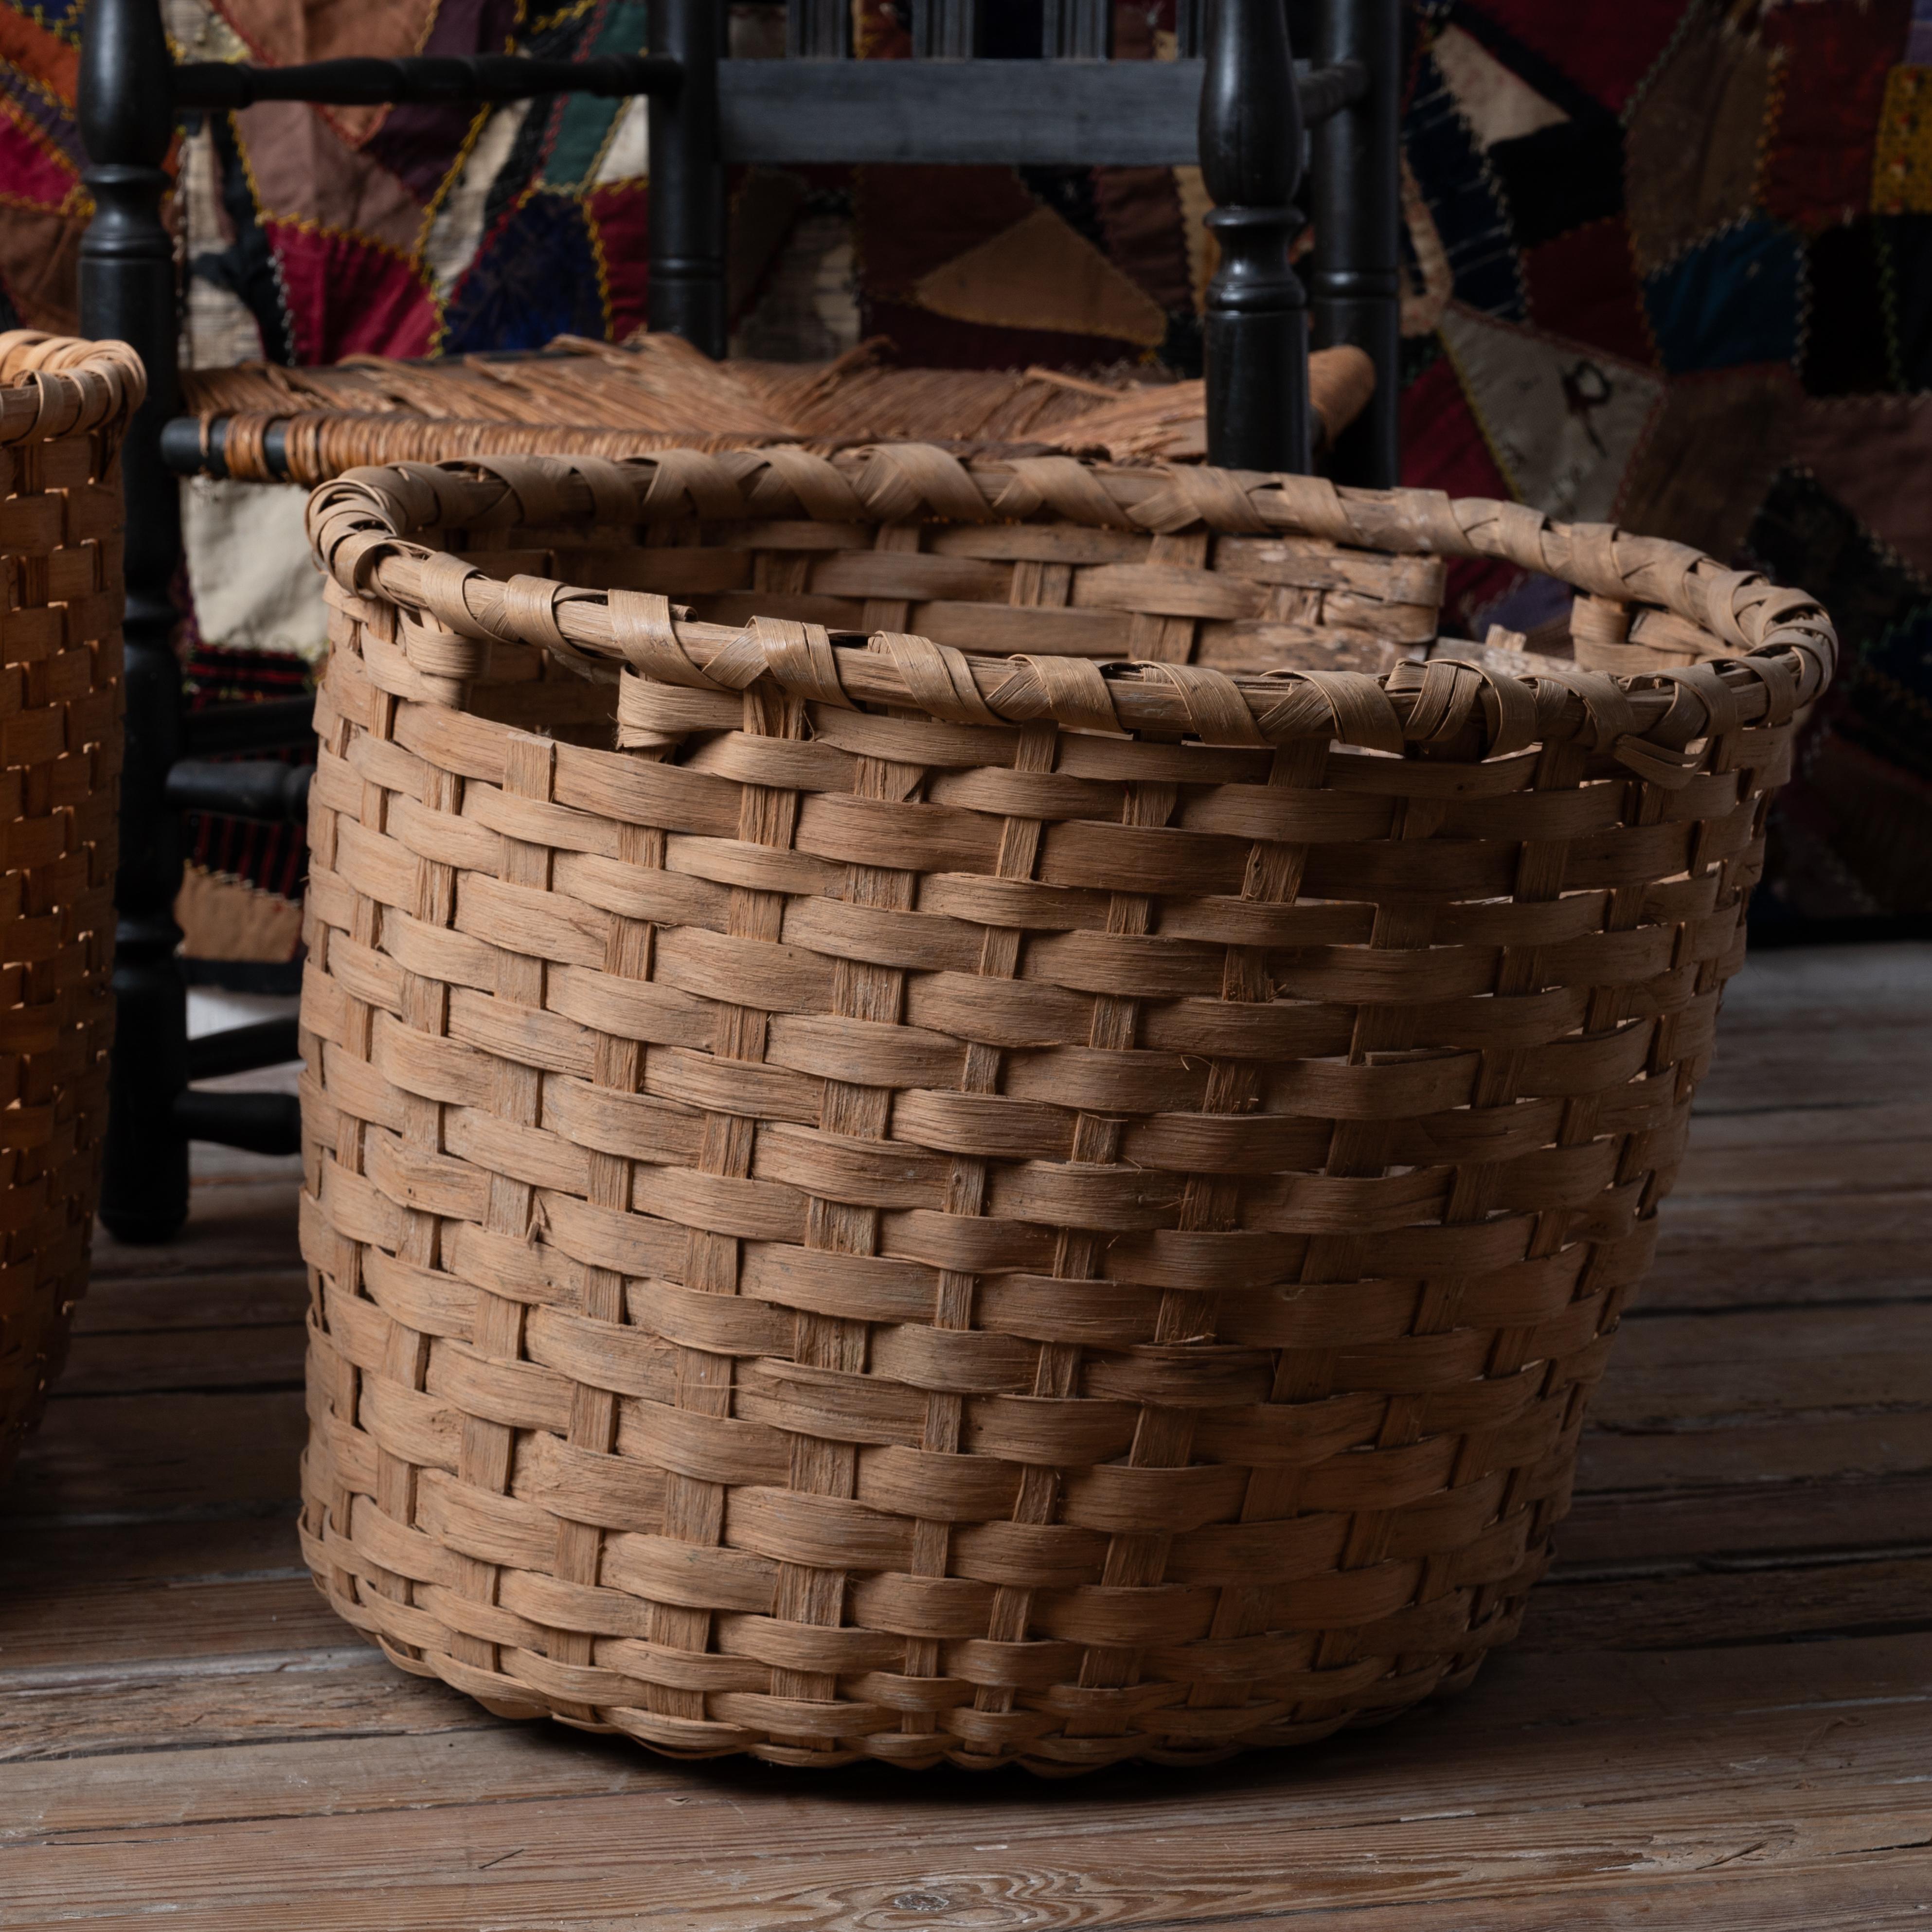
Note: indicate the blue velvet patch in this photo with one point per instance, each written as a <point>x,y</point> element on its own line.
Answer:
<point>58,16</point>
<point>1735,299</point>
<point>535,278</point>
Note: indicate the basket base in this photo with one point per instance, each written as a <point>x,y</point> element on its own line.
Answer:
<point>1033,1734</point>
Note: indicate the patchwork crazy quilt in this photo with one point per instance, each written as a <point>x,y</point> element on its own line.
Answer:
<point>1668,262</point>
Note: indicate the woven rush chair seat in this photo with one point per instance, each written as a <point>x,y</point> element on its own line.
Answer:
<point>868,1196</point>
<point>64,405</point>
<point>656,392</point>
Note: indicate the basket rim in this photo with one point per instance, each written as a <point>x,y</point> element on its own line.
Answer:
<point>56,385</point>
<point>1780,649</point>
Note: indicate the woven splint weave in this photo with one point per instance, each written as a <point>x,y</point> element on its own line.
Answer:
<point>63,407</point>
<point>866,1198</point>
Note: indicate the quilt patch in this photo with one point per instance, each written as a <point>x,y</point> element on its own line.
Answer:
<point>1735,299</point>
<point>1719,439</point>
<point>1583,285</point>
<point>1846,349</point>
<point>1443,449</point>
<point>1562,418</point>
<point>1464,201</point>
<point>1696,138</point>
<point>1872,453</point>
<point>1902,152</point>
<point>1604,51</point>
<point>1831,62</point>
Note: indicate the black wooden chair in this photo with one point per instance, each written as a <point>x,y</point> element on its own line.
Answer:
<point>1235,100</point>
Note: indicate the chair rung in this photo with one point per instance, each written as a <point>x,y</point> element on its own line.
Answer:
<point>260,1123</point>
<point>241,1049</point>
<point>248,727</point>
<point>431,79</point>
<point>263,788</point>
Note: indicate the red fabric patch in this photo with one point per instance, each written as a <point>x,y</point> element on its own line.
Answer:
<point>1607,50</point>
<point>620,216</point>
<point>31,169</point>
<point>1140,215</point>
<point>1583,285</point>
<point>347,298</point>
<point>913,220</point>
<point>1443,448</point>
<point>41,55</point>
<point>1831,83</point>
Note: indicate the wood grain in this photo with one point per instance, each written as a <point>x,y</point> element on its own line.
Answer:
<point>1872,1065</point>
<point>1878,1162</point>
<point>1724,1251</point>
<point>158,1709</point>
<point>1171,1855</point>
<point>1692,1370</point>
<point>1609,1697</point>
<point>175,1452</point>
<point>261,1356</point>
<point>1715,1717</point>
<point>132,1304</point>
<point>1694,1612</point>
<point>1885,1444</point>
<point>1750,1518</point>
<point>232,1224</point>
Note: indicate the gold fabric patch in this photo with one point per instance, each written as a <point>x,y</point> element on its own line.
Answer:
<point>1902,161</point>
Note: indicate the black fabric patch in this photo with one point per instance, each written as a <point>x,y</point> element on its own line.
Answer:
<point>1845,350</point>
<point>1903,245</point>
<point>1560,178</point>
<point>1416,355</point>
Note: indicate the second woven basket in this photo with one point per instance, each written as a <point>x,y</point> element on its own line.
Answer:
<point>64,405</point>
<point>868,1199</point>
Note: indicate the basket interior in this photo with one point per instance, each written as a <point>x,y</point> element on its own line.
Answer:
<point>1235,603</point>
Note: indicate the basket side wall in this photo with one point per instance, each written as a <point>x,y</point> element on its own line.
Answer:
<point>60,672</point>
<point>874,1238</point>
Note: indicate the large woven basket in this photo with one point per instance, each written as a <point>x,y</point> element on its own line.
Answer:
<point>929,1205</point>
<point>63,407</point>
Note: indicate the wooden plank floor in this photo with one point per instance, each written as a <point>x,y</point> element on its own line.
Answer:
<point>1719,1714</point>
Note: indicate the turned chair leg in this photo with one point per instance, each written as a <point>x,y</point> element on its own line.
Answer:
<point>127,292</point>
<point>1255,334</point>
<point>1358,206</point>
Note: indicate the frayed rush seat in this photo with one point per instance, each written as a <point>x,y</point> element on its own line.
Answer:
<point>577,397</point>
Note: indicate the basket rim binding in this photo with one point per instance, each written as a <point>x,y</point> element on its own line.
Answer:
<point>1780,649</point>
<point>52,386</point>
